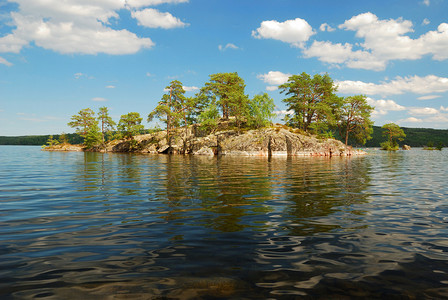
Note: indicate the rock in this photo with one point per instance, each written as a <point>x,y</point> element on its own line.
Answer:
<point>277,140</point>
<point>205,151</point>
<point>406,147</point>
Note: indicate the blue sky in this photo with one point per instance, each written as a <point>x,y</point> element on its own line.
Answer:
<point>58,57</point>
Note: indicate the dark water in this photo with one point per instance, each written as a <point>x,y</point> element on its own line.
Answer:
<point>117,226</point>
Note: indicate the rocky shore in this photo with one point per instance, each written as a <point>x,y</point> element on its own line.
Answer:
<point>278,140</point>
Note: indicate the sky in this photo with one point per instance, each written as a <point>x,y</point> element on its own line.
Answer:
<point>58,57</point>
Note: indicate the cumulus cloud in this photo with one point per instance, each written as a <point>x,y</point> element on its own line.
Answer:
<point>382,107</point>
<point>228,46</point>
<point>110,86</point>
<point>413,84</point>
<point>423,111</point>
<point>443,108</point>
<point>142,3</point>
<point>383,41</point>
<point>426,22</point>
<point>426,2</point>
<point>73,26</point>
<point>274,79</point>
<point>294,32</point>
<point>153,18</point>
<point>326,27</point>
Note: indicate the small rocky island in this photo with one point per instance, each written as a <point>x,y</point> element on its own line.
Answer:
<point>276,140</point>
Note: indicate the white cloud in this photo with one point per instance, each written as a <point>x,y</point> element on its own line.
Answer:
<point>343,54</point>
<point>382,107</point>
<point>294,32</point>
<point>443,108</point>
<point>426,22</point>
<point>429,97</point>
<point>383,41</point>
<point>410,120</point>
<point>142,3</point>
<point>99,99</point>
<point>412,84</point>
<point>110,86</point>
<point>228,46</point>
<point>81,26</point>
<point>190,88</point>
<point>326,27</point>
<point>271,88</point>
<point>153,18</point>
<point>274,77</point>
<point>11,43</point>
<point>5,62</point>
<point>426,2</point>
<point>423,111</point>
<point>283,112</point>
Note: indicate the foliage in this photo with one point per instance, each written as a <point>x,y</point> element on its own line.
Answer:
<point>312,100</point>
<point>107,124</point>
<point>261,109</point>
<point>63,139</point>
<point>93,137</point>
<point>389,146</point>
<point>226,90</point>
<point>354,119</point>
<point>394,133</point>
<point>83,121</point>
<point>209,118</point>
<point>130,125</point>
<point>51,141</point>
<point>430,146</point>
<point>173,107</point>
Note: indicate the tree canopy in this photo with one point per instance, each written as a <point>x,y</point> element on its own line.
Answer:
<point>393,133</point>
<point>354,119</point>
<point>227,90</point>
<point>83,121</point>
<point>312,100</point>
<point>130,125</point>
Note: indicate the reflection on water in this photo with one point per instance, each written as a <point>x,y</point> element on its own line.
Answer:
<point>103,226</point>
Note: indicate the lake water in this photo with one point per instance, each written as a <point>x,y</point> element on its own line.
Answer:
<point>119,226</point>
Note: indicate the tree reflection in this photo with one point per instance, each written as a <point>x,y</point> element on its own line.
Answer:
<point>317,188</point>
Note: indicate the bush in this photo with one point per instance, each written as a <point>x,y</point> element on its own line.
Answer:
<point>389,146</point>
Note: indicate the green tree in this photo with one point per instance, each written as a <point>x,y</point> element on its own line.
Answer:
<point>63,139</point>
<point>312,100</point>
<point>394,133</point>
<point>209,118</point>
<point>354,119</point>
<point>83,121</point>
<point>172,108</point>
<point>51,141</point>
<point>261,109</point>
<point>227,91</point>
<point>130,125</point>
<point>107,124</point>
<point>93,137</point>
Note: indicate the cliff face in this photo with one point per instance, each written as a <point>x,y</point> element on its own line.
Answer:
<point>277,140</point>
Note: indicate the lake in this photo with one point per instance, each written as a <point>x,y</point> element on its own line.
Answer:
<point>126,226</point>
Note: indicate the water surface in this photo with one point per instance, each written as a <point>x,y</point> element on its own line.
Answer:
<point>125,226</point>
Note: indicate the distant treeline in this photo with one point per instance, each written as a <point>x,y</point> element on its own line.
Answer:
<point>415,137</point>
<point>38,140</point>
